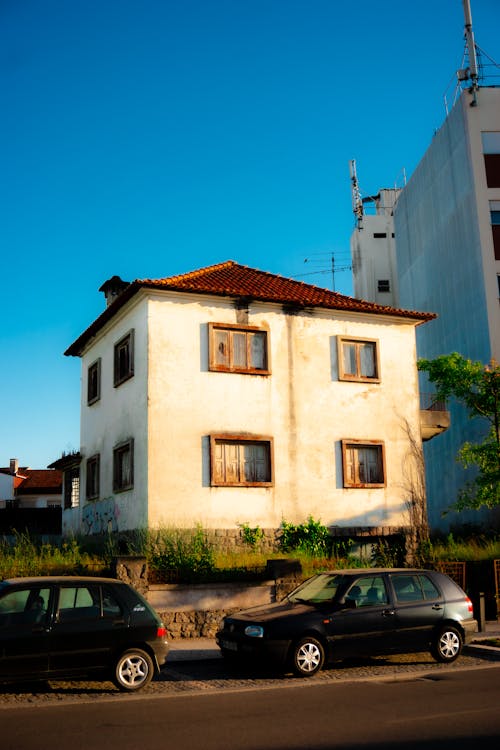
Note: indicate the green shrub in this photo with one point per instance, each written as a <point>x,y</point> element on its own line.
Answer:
<point>29,557</point>
<point>180,555</point>
<point>312,538</point>
<point>251,536</point>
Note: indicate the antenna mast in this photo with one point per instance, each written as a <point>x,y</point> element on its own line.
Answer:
<point>357,203</point>
<point>471,72</point>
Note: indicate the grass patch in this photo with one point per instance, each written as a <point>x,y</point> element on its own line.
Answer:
<point>450,549</point>
<point>27,557</point>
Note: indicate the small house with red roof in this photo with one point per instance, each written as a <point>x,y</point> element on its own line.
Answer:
<point>23,487</point>
<point>229,396</point>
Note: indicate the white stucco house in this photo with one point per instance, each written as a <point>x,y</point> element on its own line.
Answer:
<point>229,395</point>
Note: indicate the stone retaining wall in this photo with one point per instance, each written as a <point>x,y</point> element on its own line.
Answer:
<point>183,619</point>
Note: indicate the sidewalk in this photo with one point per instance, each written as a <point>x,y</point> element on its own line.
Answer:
<point>192,649</point>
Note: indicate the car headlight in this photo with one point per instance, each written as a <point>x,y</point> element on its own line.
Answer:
<point>255,631</point>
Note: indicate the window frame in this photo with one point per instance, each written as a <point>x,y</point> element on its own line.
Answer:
<point>240,440</point>
<point>349,444</point>
<point>94,460</point>
<point>71,487</point>
<point>95,396</point>
<point>118,450</point>
<point>358,341</point>
<point>231,329</point>
<point>120,377</point>
<point>491,154</point>
<point>383,285</point>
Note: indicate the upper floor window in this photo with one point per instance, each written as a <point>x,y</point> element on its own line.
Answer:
<point>123,466</point>
<point>94,382</point>
<point>491,151</point>
<point>240,461</point>
<point>124,359</point>
<point>384,285</point>
<point>358,359</point>
<point>363,463</point>
<point>93,477</point>
<point>242,349</point>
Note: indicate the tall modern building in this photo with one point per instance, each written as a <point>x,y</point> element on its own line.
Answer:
<point>439,250</point>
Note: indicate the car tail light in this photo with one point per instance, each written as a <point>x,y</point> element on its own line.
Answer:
<point>161,632</point>
<point>469,604</point>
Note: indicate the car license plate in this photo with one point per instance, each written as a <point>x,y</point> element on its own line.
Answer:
<point>229,645</point>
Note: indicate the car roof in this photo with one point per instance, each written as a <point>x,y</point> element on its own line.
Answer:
<point>58,579</point>
<point>362,571</point>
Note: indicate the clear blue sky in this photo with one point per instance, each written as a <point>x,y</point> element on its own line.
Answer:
<point>147,138</point>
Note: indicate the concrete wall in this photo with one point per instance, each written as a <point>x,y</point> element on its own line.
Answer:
<point>119,414</point>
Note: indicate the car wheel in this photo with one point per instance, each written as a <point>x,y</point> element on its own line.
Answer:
<point>308,656</point>
<point>134,670</point>
<point>447,644</point>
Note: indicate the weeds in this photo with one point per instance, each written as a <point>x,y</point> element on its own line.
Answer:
<point>188,556</point>
<point>27,557</point>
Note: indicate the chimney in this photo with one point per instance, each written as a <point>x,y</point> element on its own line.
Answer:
<point>112,289</point>
<point>14,465</point>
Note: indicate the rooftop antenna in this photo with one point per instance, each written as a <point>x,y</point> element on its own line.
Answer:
<point>470,73</point>
<point>357,203</point>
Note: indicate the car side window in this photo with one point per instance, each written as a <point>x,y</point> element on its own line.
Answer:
<point>430,591</point>
<point>24,607</point>
<point>367,592</point>
<point>408,588</point>
<point>110,606</point>
<point>78,603</point>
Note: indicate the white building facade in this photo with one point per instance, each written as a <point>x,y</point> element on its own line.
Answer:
<point>231,396</point>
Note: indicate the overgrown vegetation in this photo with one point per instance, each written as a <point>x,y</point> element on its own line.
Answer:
<point>467,549</point>
<point>191,556</point>
<point>27,557</point>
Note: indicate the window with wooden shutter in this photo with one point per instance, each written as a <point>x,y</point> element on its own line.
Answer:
<point>240,461</point>
<point>363,463</point>
<point>93,478</point>
<point>124,359</point>
<point>240,349</point>
<point>123,466</point>
<point>358,359</point>
<point>94,382</point>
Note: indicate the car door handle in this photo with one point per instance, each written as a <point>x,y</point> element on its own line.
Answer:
<point>437,606</point>
<point>388,613</point>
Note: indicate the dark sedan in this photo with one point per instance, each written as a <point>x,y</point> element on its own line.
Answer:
<point>74,627</point>
<point>347,613</point>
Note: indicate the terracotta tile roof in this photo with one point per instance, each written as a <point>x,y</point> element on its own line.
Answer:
<point>230,279</point>
<point>46,481</point>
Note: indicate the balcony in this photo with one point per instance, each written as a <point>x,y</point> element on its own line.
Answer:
<point>434,417</point>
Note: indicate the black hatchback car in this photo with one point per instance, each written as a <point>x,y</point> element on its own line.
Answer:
<point>346,613</point>
<point>74,627</point>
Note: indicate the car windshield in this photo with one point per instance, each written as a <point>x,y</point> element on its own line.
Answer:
<point>320,588</point>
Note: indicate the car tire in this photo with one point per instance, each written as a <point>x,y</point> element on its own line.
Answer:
<point>307,657</point>
<point>133,671</point>
<point>447,644</point>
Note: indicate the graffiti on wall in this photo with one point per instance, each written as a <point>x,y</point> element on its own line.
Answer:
<point>100,517</point>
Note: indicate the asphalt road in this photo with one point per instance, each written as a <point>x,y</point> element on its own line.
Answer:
<point>446,708</point>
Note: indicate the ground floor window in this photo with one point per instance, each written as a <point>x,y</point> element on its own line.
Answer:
<point>93,478</point>
<point>123,466</point>
<point>240,461</point>
<point>363,463</point>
